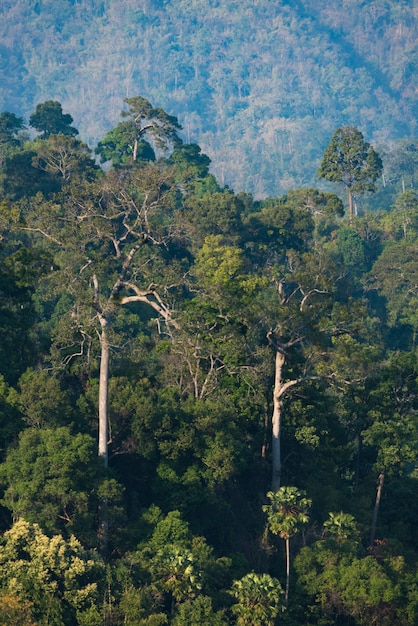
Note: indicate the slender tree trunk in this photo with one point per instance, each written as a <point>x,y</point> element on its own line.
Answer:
<point>103,395</point>
<point>350,205</point>
<point>266,434</point>
<point>358,459</point>
<point>276,422</point>
<point>380,482</point>
<point>103,532</point>
<point>286,597</point>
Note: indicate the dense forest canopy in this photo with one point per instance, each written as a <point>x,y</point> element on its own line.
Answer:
<point>208,403</point>
<point>208,313</point>
<point>259,85</point>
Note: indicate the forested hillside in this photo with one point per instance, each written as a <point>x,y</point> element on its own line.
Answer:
<point>259,85</point>
<point>208,403</point>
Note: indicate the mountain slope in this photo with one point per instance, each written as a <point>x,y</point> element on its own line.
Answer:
<point>259,85</point>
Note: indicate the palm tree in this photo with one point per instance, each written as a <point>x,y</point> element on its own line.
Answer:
<point>287,514</point>
<point>258,599</point>
<point>341,526</point>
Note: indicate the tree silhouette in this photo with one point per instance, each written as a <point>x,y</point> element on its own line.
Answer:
<point>49,119</point>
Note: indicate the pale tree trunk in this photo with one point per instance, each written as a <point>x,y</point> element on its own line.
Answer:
<point>276,422</point>
<point>286,597</point>
<point>380,482</point>
<point>280,388</point>
<point>103,531</point>
<point>350,205</point>
<point>103,395</point>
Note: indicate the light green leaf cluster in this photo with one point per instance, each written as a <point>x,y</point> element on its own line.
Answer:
<point>49,571</point>
<point>217,265</point>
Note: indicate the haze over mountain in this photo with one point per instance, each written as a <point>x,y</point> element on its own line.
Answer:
<point>259,85</point>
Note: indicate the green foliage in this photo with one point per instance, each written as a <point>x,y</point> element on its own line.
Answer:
<point>20,271</point>
<point>194,291</point>
<point>50,477</point>
<point>393,275</point>
<point>65,157</point>
<point>125,144</point>
<point>198,611</point>
<point>49,119</point>
<point>60,578</point>
<point>42,401</point>
<point>341,526</point>
<point>118,145</point>
<point>15,612</point>
<point>352,248</point>
<point>350,160</point>
<point>402,220</point>
<point>258,600</point>
<point>10,420</point>
<point>345,585</point>
<point>10,128</point>
<point>162,127</point>
<point>288,512</point>
<point>212,213</point>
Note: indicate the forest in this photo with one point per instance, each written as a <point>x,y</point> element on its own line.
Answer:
<point>208,403</point>
<point>259,85</point>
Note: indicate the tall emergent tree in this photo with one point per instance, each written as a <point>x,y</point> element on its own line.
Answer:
<point>98,235</point>
<point>126,142</point>
<point>350,160</point>
<point>104,239</point>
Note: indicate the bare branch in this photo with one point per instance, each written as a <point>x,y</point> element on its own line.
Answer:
<point>150,297</point>
<point>42,232</point>
<point>306,296</point>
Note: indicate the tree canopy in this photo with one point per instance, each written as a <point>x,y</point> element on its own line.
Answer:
<point>208,403</point>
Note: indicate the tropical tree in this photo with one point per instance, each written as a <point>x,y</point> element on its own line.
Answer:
<point>394,276</point>
<point>402,220</point>
<point>350,160</point>
<point>343,584</point>
<point>20,270</point>
<point>393,427</point>
<point>198,611</point>
<point>10,130</point>
<point>65,157</point>
<point>341,526</point>
<point>126,142</point>
<point>287,514</point>
<point>50,478</point>
<point>258,600</point>
<point>103,237</point>
<point>176,572</point>
<point>58,579</point>
<point>49,119</point>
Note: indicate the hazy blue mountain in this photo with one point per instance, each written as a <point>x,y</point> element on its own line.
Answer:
<point>261,85</point>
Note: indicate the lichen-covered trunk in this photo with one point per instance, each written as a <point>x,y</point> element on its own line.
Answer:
<point>103,396</point>
<point>276,422</point>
